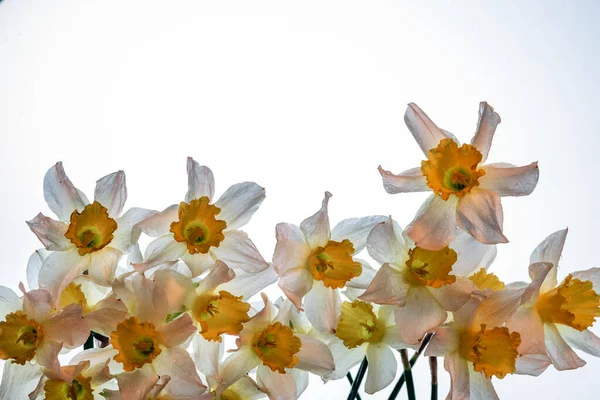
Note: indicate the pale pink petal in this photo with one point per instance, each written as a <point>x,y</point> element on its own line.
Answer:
<point>446,340</point>
<point>128,233</point>
<point>245,388</point>
<point>539,275</point>
<point>592,275</point>
<point>50,232</point>
<point>295,284</point>
<point>472,255</point>
<point>581,340</point>
<point>220,274</point>
<point>103,265</point>
<point>322,306</point>
<point>159,224</point>
<point>105,320</point>
<point>161,250</point>
<point>97,356</point>
<point>549,251</point>
<point>150,300</point>
<point>392,337</point>
<point>356,230</point>
<point>499,307</point>
<point>532,364</point>
<point>239,203</point>
<point>480,214</point>
<point>386,244</point>
<point>62,197</point>
<point>459,377</point>
<point>177,331</point>
<point>207,355</point>
<point>47,356</point>
<point>527,322</point>
<point>365,278</point>
<point>420,315</point>
<point>239,252</point>
<point>19,380</point>
<point>344,358</point>
<point>247,284</point>
<point>425,132</point>
<point>409,181</point>
<point>278,386</point>
<point>137,384</point>
<point>316,227</point>
<point>486,127</point>
<point>510,180</point>
<point>201,181</point>
<point>38,304</point>
<point>382,367</point>
<point>387,287</point>
<point>291,250</point>
<point>111,192</point>
<point>481,387</point>
<point>9,301</point>
<point>467,316</point>
<point>178,289</point>
<point>261,319</point>
<point>434,226</point>
<point>314,356</point>
<point>563,357</point>
<point>198,263</point>
<point>238,364</point>
<point>34,264</point>
<point>178,364</point>
<point>70,316</point>
<point>60,269</point>
<point>453,296</point>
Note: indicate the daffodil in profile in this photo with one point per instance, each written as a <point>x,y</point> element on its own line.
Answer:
<point>466,192</point>
<point>200,231</point>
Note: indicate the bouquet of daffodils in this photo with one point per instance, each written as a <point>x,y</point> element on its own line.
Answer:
<point>103,320</point>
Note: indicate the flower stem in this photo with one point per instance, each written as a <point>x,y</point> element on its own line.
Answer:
<point>349,376</point>
<point>89,343</point>
<point>413,360</point>
<point>434,382</point>
<point>359,377</point>
<point>410,385</point>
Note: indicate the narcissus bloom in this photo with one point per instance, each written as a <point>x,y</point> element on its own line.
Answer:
<point>423,285</point>
<point>87,237</point>
<point>551,316</point>
<point>198,231</point>
<point>466,193</point>
<point>474,351</point>
<point>269,343</point>
<point>312,261</point>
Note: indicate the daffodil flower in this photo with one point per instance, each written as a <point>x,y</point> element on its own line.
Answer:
<point>199,232</point>
<point>423,285</point>
<point>31,328</point>
<point>552,316</point>
<point>282,356</point>
<point>313,261</point>
<point>474,351</point>
<point>86,237</point>
<point>466,193</point>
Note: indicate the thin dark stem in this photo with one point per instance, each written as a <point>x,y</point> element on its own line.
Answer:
<point>434,381</point>
<point>410,385</point>
<point>413,360</point>
<point>349,376</point>
<point>89,343</point>
<point>359,377</point>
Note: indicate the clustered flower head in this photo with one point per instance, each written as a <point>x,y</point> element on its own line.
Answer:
<point>178,321</point>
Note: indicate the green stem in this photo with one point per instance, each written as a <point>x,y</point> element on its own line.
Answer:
<point>410,385</point>
<point>413,360</point>
<point>349,376</point>
<point>89,343</point>
<point>434,381</point>
<point>359,377</point>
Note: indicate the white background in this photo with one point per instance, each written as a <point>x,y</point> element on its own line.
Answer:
<point>304,97</point>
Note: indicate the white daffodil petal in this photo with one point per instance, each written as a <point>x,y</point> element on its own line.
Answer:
<point>486,127</point>
<point>103,264</point>
<point>159,223</point>
<point>239,252</point>
<point>50,232</point>
<point>322,306</point>
<point>105,320</point>
<point>207,354</point>
<point>471,254</point>
<point>356,230</point>
<point>434,226</point>
<point>127,233</point>
<point>446,340</point>
<point>178,364</point>
<point>508,180</point>
<point>19,380</point>
<point>34,264</point>
<point>316,227</point>
<point>592,275</point>
<point>278,386</point>
<point>563,357</point>
<point>248,284</point>
<point>314,356</point>
<point>246,389</point>
<point>584,340</point>
<point>528,323</point>
<point>137,384</point>
<point>177,331</point>
<point>549,251</point>
<point>77,333</point>
<point>295,284</point>
<point>198,263</point>
<point>453,296</point>
<point>344,358</point>
<point>239,203</point>
<point>301,380</point>
<point>386,243</point>
<point>365,278</point>
<point>480,214</point>
<point>420,315</point>
<point>291,250</point>
<point>392,337</point>
<point>481,387</point>
<point>9,301</point>
<point>382,367</point>
<point>425,132</point>
<point>61,195</point>
<point>387,287</point>
<point>37,304</point>
<point>409,181</point>
<point>111,192</point>
<point>532,364</point>
<point>201,181</point>
<point>60,269</point>
<point>238,364</point>
<point>220,274</point>
<point>459,376</point>
<point>161,250</point>
<point>150,300</point>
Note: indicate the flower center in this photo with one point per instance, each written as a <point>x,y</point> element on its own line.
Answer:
<point>19,337</point>
<point>573,303</point>
<point>483,280</point>
<point>218,314</point>
<point>198,226</point>
<point>277,346</point>
<point>91,229</point>
<point>333,264</point>
<point>450,169</point>
<point>80,389</point>
<point>431,267</point>
<point>492,351</point>
<point>358,324</point>
<point>73,294</point>
<point>137,343</point>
